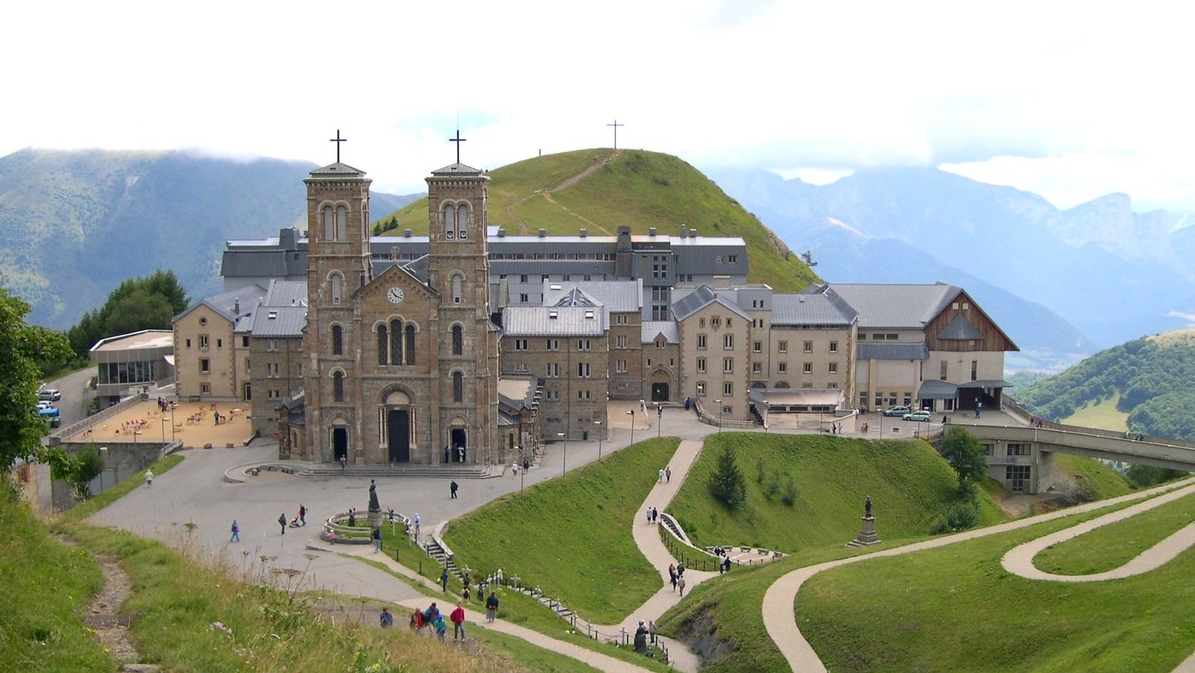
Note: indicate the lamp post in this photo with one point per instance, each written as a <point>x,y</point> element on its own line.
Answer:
<point>632,413</point>
<point>719,403</point>
<point>564,464</point>
<point>600,438</point>
<point>659,418</point>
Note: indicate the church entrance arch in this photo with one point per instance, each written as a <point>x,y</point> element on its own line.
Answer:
<point>340,443</point>
<point>398,427</point>
<point>460,445</point>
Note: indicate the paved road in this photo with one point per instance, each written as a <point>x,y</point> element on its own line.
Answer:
<point>780,618</point>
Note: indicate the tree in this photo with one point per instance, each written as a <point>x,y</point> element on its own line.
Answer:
<point>23,348</point>
<point>78,470</point>
<point>136,304</point>
<point>727,483</point>
<point>965,454</point>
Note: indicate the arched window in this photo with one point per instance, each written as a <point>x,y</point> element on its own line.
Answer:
<point>396,341</point>
<point>338,386</point>
<point>337,282</point>
<point>383,345</point>
<point>450,222</point>
<point>337,340</point>
<point>462,222</point>
<point>329,224</point>
<point>457,282</point>
<point>342,222</point>
<point>458,340</point>
<point>410,344</point>
<point>458,387</point>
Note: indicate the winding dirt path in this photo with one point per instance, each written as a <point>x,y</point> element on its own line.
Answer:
<point>547,195</point>
<point>780,618</point>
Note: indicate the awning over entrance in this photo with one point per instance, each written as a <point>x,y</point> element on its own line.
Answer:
<point>937,390</point>
<point>986,383</point>
<point>796,400</point>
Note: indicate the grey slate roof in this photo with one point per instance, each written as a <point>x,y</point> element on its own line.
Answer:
<point>286,293</point>
<point>278,321</point>
<point>811,309</point>
<point>456,169</point>
<point>933,389</point>
<point>653,328</point>
<point>552,321</point>
<point>619,296</point>
<point>892,306</point>
<point>337,170</point>
<point>699,299</point>
<point>877,351</point>
<point>227,303</point>
<point>960,328</point>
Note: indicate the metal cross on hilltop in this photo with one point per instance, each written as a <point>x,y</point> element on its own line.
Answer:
<point>615,125</point>
<point>338,140</point>
<point>458,140</point>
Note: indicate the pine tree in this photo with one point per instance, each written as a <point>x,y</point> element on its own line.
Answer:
<point>727,483</point>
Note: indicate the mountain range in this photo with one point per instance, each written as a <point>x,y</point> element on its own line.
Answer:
<point>1107,274</point>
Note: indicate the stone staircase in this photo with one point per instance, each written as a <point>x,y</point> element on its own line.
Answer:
<point>447,471</point>
<point>433,548</point>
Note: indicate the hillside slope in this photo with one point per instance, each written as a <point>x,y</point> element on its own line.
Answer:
<point>1149,379</point>
<point>601,189</point>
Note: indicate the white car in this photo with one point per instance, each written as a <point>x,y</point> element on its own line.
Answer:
<point>50,395</point>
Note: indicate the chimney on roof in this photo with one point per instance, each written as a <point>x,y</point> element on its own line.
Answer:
<point>693,232</point>
<point>236,306</point>
<point>583,232</point>
<point>651,231</point>
<point>543,233</point>
<point>684,231</point>
<point>406,233</point>
<point>501,232</point>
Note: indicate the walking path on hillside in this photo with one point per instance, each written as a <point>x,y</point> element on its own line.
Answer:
<point>779,614</point>
<point>547,194</point>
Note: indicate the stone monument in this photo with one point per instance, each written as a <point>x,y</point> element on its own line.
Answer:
<point>375,510</point>
<point>867,534</point>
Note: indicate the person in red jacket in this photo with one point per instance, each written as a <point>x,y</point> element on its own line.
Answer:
<point>458,623</point>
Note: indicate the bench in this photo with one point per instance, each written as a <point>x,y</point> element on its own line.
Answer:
<point>763,552</point>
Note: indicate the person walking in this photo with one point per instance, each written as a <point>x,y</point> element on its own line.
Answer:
<point>416,526</point>
<point>515,467</point>
<point>491,607</point>
<point>458,623</point>
<point>444,580</point>
<point>386,618</point>
<point>668,474</point>
<point>282,522</point>
<point>660,479</point>
<point>680,582</point>
<point>149,478</point>
<point>236,532</point>
<point>376,536</point>
<point>440,626</point>
<point>452,487</point>
<point>302,515</point>
<point>978,408</point>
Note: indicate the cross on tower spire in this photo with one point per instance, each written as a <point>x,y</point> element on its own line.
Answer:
<point>458,140</point>
<point>338,140</point>
<point>615,125</point>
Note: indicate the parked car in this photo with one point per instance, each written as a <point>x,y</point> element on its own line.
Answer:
<point>50,395</point>
<point>44,404</point>
<point>50,414</point>
<point>897,411</point>
<point>921,416</point>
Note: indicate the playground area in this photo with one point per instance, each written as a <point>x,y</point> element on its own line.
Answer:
<point>192,423</point>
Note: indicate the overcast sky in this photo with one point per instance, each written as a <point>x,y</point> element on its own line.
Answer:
<point>1071,100</point>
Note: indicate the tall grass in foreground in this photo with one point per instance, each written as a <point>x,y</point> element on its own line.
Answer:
<point>572,536</point>
<point>47,585</point>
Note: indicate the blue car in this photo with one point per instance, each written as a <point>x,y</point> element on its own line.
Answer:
<point>919,416</point>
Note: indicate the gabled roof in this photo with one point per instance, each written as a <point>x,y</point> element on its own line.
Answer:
<point>286,293</point>
<point>456,169</point>
<point>418,268</point>
<point>552,321</point>
<point>228,305</point>
<point>701,298</point>
<point>960,328</point>
<point>812,309</point>
<point>892,306</point>
<point>278,321</point>
<point>337,170</point>
<point>575,296</point>
<point>654,328</point>
<point>619,296</point>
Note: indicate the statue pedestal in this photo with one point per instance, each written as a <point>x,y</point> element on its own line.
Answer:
<point>867,534</point>
<point>375,519</point>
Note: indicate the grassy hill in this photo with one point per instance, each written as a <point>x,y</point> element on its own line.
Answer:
<point>907,480</point>
<point>630,187</point>
<point>1143,385</point>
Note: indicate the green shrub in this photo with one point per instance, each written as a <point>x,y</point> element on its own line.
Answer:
<point>962,516</point>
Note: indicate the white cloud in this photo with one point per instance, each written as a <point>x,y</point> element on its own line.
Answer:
<point>1072,100</point>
